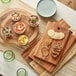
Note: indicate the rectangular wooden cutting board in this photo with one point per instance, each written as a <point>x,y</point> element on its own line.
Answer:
<point>34,64</point>
<point>44,40</point>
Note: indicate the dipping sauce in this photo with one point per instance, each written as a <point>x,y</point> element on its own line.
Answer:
<point>16,16</point>
<point>19,28</point>
<point>6,32</point>
<point>23,40</point>
<point>33,20</point>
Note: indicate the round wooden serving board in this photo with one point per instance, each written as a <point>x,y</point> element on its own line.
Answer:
<point>5,20</point>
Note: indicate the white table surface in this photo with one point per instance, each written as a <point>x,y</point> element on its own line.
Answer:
<point>10,68</point>
<point>64,12</point>
<point>68,14</point>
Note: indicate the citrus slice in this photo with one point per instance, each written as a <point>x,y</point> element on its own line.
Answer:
<point>51,33</point>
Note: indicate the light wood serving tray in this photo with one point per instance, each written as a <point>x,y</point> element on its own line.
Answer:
<point>5,20</point>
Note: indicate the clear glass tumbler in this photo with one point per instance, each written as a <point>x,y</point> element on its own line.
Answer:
<point>9,55</point>
<point>22,72</point>
<point>5,1</point>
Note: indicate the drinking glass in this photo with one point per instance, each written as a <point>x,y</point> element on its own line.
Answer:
<point>5,1</point>
<point>9,55</point>
<point>22,72</point>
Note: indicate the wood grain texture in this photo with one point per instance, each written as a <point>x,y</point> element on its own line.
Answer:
<point>68,70</point>
<point>5,18</point>
<point>69,3</point>
<point>45,64</point>
<point>49,58</point>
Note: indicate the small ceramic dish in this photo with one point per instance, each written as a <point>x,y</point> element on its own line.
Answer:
<point>33,20</point>
<point>19,28</point>
<point>46,8</point>
<point>23,40</point>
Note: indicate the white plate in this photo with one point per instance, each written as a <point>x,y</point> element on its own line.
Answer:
<point>46,8</point>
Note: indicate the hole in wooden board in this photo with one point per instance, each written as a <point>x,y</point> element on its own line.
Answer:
<point>58,28</point>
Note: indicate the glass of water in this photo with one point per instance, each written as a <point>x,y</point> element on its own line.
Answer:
<point>9,55</point>
<point>22,72</point>
<point>5,1</point>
